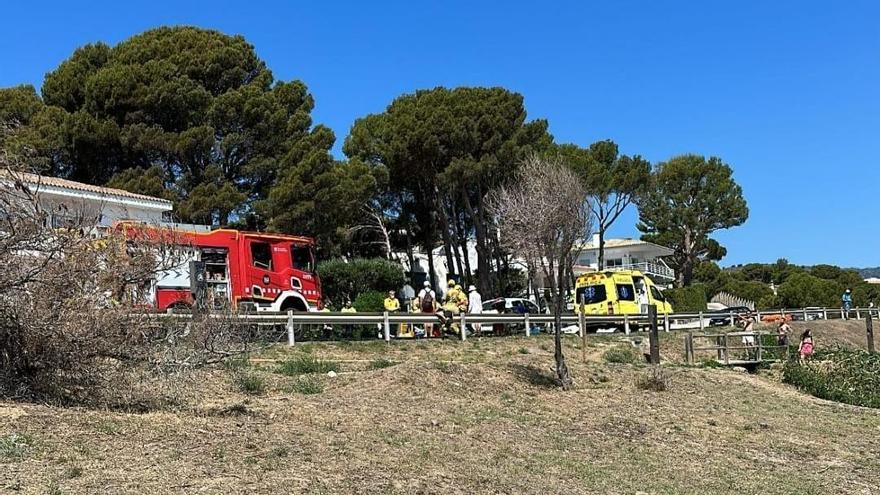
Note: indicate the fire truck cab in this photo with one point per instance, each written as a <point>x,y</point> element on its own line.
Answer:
<point>241,270</point>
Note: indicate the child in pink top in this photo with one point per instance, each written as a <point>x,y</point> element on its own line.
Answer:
<point>807,345</point>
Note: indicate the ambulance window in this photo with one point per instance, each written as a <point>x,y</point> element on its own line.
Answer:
<point>302,258</point>
<point>625,292</point>
<point>656,294</point>
<point>591,294</point>
<point>261,255</point>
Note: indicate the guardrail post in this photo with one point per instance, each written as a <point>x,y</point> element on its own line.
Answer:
<point>291,339</point>
<point>702,323</point>
<point>842,317</point>
<point>824,313</point>
<point>387,326</point>
<point>528,325</point>
<point>805,314</point>
<point>463,327</point>
<point>665,322</point>
<point>626,324</point>
<point>858,316</point>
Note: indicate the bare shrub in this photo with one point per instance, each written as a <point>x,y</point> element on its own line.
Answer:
<point>655,379</point>
<point>70,330</point>
<point>541,215</point>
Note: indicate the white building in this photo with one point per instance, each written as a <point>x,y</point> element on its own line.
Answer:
<point>68,202</point>
<point>627,254</point>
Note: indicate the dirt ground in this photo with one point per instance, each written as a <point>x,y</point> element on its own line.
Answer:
<point>481,416</point>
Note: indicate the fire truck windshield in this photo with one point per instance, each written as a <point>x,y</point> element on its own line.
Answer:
<point>302,258</point>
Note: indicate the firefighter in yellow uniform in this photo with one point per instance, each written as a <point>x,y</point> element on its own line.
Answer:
<point>392,305</point>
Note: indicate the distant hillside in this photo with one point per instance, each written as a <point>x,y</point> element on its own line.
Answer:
<point>868,272</point>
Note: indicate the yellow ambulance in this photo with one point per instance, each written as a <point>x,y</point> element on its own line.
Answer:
<point>622,292</point>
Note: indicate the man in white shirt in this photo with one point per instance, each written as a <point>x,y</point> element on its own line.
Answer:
<point>475,306</point>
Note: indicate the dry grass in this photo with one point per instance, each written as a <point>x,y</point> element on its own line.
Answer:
<point>452,417</point>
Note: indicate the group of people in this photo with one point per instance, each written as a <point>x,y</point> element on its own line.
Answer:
<point>783,330</point>
<point>454,302</point>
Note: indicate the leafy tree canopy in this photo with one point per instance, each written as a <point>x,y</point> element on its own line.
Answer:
<point>690,197</point>
<point>194,107</point>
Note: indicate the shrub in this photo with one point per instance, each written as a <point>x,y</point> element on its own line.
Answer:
<point>851,377</point>
<point>655,379</point>
<point>14,446</point>
<point>303,365</point>
<point>620,354</point>
<point>381,363</point>
<point>341,280</point>
<point>687,299</point>
<point>307,386</point>
<point>250,383</point>
<point>370,302</point>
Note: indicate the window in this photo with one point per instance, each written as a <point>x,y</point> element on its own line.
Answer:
<point>656,294</point>
<point>302,258</point>
<point>591,294</point>
<point>261,255</point>
<point>625,292</point>
<point>613,262</point>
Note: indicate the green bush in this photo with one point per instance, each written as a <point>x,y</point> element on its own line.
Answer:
<point>250,383</point>
<point>341,280</point>
<point>307,386</point>
<point>370,302</point>
<point>687,299</point>
<point>620,354</point>
<point>303,365</point>
<point>381,363</point>
<point>851,377</point>
<point>15,446</point>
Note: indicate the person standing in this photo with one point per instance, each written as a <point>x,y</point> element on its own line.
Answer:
<point>428,304</point>
<point>392,305</point>
<point>806,347</point>
<point>748,338</point>
<point>846,299</point>
<point>782,332</point>
<point>348,329</point>
<point>475,306</point>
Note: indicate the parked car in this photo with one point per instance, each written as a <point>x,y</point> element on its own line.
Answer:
<point>721,318</point>
<point>512,305</point>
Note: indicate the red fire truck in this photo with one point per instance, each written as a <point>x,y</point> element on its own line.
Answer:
<point>237,269</point>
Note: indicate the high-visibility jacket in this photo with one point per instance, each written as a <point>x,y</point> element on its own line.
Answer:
<point>391,304</point>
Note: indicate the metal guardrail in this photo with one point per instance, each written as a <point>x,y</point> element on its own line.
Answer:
<point>676,321</point>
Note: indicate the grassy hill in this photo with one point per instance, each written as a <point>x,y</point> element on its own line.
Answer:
<point>451,417</point>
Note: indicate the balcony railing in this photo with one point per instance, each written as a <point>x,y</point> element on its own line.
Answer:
<point>652,269</point>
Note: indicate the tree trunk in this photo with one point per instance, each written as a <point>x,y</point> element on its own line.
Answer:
<point>410,255</point>
<point>483,254</point>
<point>556,286</point>
<point>601,261</point>
<point>444,230</point>
<point>431,273</point>
<point>685,272</point>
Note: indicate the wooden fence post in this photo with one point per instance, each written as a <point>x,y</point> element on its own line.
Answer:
<point>689,348</point>
<point>291,339</point>
<point>654,336</point>
<point>869,328</point>
<point>582,321</point>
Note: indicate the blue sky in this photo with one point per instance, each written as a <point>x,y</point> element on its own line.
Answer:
<point>786,92</point>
